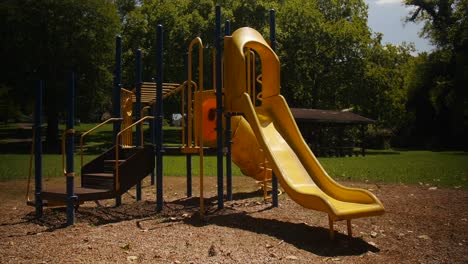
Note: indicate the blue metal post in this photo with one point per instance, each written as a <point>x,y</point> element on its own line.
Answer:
<point>274,180</point>
<point>227,32</point>
<point>138,112</point>
<point>159,118</point>
<point>188,157</point>
<point>38,150</point>
<point>70,146</point>
<point>116,94</point>
<point>219,109</point>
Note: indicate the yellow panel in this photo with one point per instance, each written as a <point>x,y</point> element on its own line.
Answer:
<point>208,115</point>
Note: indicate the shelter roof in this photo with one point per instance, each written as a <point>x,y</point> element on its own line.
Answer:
<point>329,116</point>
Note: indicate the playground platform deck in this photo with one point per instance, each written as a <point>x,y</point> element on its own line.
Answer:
<point>59,193</point>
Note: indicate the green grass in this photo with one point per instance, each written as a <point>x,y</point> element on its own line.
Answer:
<point>447,169</point>
<point>175,166</point>
<point>444,169</point>
<point>16,166</point>
<point>17,140</point>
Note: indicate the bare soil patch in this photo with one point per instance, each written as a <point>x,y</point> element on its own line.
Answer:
<point>421,225</point>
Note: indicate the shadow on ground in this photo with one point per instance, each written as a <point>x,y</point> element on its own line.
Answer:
<point>186,211</point>
<point>312,239</point>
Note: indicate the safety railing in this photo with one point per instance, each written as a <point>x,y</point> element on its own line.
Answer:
<point>117,183</point>
<point>64,137</point>
<point>127,110</point>
<point>198,88</point>
<point>114,119</point>
<point>142,114</point>
<point>187,115</point>
<point>252,77</point>
<point>198,133</point>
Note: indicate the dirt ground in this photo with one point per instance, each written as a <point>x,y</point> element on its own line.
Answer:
<point>422,224</point>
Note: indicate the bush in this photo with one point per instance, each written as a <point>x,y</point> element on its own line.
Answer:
<point>378,138</point>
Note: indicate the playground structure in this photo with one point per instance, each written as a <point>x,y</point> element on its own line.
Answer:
<point>245,104</point>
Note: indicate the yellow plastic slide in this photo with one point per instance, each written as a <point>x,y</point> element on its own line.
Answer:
<point>279,139</point>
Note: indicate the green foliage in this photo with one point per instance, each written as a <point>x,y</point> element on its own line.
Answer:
<point>16,166</point>
<point>383,96</point>
<point>46,39</point>
<point>321,46</point>
<point>125,7</point>
<point>8,109</point>
<point>330,58</point>
<point>438,81</point>
<point>51,38</point>
<point>182,21</point>
<point>445,21</point>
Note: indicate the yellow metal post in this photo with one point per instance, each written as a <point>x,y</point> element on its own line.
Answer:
<point>198,137</point>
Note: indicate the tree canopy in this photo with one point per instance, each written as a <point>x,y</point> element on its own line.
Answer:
<point>330,59</point>
<point>437,87</point>
<point>47,39</point>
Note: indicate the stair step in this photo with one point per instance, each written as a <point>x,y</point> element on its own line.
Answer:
<point>58,195</point>
<point>126,152</point>
<point>98,180</point>
<point>99,174</point>
<point>113,161</point>
<point>109,165</point>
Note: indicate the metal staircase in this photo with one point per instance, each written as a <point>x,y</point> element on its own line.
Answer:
<point>105,178</point>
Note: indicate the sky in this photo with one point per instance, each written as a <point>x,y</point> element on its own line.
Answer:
<point>388,17</point>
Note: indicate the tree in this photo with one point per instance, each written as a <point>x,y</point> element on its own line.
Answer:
<point>322,46</point>
<point>331,60</point>
<point>125,7</point>
<point>46,39</point>
<point>384,93</point>
<point>329,57</point>
<point>446,25</point>
<point>182,21</point>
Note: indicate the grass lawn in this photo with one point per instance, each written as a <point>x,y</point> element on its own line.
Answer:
<point>16,166</point>
<point>448,169</point>
<point>445,169</point>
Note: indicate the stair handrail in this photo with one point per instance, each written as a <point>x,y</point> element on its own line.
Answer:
<point>142,114</point>
<point>117,183</point>
<point>64,145</point>
<point>195,41</point>
<point>127,110</point>
<point>186,125</point>
<point>198,133</point>
<point>113,119</point>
